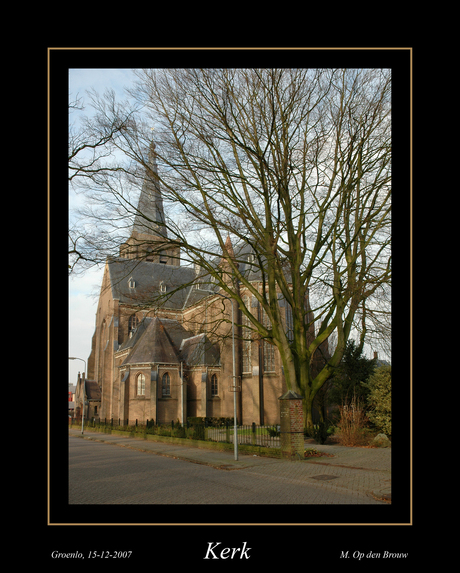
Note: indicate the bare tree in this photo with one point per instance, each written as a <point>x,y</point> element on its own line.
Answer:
<point>294,165</point>
<point>91,148</point>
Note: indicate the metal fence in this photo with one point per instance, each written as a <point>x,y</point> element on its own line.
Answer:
<point>267,436</point>
<point>253,434</point>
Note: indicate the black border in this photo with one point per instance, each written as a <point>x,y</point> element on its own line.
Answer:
<point>400,511</point>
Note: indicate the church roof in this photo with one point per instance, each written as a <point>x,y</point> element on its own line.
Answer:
<point>140,282</point>
<point>136,334</point>
<point>161,340</point>
<point>198,350</point>
<point>154,344</point>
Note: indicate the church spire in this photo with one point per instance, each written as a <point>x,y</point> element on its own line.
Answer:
<point>150,217</point>
<point>228,254</point>
<point>149,237</point>
<point>228,248</point>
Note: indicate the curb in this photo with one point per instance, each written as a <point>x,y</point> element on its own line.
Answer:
<point>382,494</point>
<point>216,465</point>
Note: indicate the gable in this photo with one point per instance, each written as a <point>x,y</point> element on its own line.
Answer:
<point>153,346</point>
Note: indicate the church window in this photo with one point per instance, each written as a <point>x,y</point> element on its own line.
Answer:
<point>247,364</point>
<point>141,384</point>
<point>162,287</point>
<point>132,324</point>
<point>166,385</point>
<point>269,357</point>
<point>131,283</point>
<point>163,258</point>
<point>214,385</point>
<point>268,349</point>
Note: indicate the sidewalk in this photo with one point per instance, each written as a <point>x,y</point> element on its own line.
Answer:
<point>368,468</point>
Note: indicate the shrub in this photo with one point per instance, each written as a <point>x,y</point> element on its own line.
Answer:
<point>197,432</point>
<point>273,432</point>
<point>353,423</point>
<point>209,421</point>
<point>179,430</point>
<point>163,430</point>
<point>320,432</point>
<point>379,399</point>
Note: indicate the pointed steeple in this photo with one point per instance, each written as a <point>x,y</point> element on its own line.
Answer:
<point>228,254</point>
<point>150,217</point>
<point>228,248</point>
<point>149,237</point>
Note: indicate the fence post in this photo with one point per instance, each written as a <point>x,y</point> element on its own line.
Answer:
<point>291,427</point>
<point>253,438</point>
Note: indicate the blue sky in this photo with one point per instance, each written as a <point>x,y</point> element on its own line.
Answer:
<point>84,290</point>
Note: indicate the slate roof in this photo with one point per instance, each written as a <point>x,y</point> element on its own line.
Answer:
<point>198,350</point>
<point>160,340</point>
<point>147,278</point>
<point>140,282</point>
<point>248,263</point>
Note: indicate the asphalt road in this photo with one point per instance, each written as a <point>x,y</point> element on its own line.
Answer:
<point>102,473</point>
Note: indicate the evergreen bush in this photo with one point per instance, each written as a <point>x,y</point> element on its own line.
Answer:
<point>379,399</point>
<point>320,432</point>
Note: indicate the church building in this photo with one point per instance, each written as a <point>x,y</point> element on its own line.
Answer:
<point>163,349</point>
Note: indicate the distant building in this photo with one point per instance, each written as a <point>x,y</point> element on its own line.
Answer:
<point>71,400</point>
<point>88,392</point>
<point>379,362</point>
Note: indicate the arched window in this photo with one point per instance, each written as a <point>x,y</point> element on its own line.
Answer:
<point>132,323</point>
<point>141,384</point>
<point>269,349</point>
<point>247,362</point>
<point>166,385</point>
<point>214,385</point>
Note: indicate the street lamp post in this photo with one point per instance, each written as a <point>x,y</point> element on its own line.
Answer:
<point>84,391</point>
<point>235,430</point>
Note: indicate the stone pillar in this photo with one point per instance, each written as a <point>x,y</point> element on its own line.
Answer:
<point>291,422</point>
